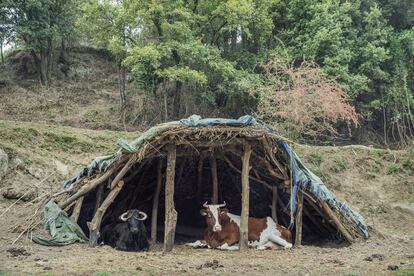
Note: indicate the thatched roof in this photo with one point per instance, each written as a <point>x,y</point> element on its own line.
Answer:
<point>274,165</point>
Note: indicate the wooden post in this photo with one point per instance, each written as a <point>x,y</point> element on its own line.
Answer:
<point>95,224</point>
<point>298,219</point>
<point>274,203</point>
<point>154,217</point>
<point>99,196</point>
<point>214,178</point>
<point>200,178</point>
<point>76,210</point>
<point>170,212</point>
<point>244,218</point>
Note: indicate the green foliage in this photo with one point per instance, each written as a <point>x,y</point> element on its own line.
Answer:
<point>316,158</point>
<point>393,169</point>
<point>209,52</point>
<point>405,272</point>
<point>38,25</point>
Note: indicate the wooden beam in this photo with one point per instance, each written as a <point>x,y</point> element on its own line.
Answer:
<point>251,177</point>
<point>298,219</point>
<point>124,170</point>
<point>335,221</point>
<point>244,217</point>
<point>154,216</point>
<point>99,197</point>
<point>95,224</point>
<point>76,210</point>
<point>200,177</point>
<point>88,187</point>
<point>274,203</point>
<point>214,178</point>
<point>170,212</point>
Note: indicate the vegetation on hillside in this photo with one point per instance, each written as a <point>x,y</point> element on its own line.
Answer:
<point>210,57</point>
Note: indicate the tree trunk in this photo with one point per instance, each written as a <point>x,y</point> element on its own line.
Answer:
<point>121,85</point>
<point>43,66</point>
<point>1,52</point>
<point>244,217</point>
<point>177,99</point>
<point>49,60</point>
<point>62,54</point>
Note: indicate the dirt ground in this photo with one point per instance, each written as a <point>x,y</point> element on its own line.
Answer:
<point>376,256</point>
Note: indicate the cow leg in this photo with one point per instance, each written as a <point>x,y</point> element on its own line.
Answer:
<point>198,244</point>
<point>225,246</point>
<point>267,245</point>
<point>279,240</point>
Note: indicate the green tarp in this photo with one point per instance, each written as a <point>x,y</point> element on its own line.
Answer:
<point>62,229</point>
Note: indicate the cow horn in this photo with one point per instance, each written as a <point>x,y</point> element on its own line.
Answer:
<point>205,205</point>
<point>222,205</point>
<point>143,214</point>
<point>124,216</point>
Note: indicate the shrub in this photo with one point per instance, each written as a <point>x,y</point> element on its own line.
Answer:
<point>303,101</point>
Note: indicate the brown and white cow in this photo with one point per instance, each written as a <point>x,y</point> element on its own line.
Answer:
<point>223,230</point>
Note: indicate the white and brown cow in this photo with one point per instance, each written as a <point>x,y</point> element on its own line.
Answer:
<point>223,230</point>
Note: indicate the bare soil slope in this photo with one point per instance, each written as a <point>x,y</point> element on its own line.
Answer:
<point>87,97</point>
<point>378,183</point>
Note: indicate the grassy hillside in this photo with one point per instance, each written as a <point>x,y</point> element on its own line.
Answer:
<point>37,150</point>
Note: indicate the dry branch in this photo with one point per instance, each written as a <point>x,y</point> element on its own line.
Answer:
<point>94,226</point>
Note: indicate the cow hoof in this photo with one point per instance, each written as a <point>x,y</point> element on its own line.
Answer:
<point>288,246</point>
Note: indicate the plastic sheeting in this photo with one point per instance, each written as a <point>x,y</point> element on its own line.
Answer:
<point>302,177</point>
<point>63,231</point>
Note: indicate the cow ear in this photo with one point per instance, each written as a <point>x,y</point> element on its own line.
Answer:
<point>224,210</point>
<point>203,212</point>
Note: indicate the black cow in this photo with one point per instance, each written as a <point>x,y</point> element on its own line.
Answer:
<point>129,235</point>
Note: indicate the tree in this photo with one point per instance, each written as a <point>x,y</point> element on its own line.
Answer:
<point>38,25</point>
<point>6,30</point>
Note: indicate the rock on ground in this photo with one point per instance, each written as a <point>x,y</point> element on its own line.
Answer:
<point>4,163</point>
<point>404,208</point>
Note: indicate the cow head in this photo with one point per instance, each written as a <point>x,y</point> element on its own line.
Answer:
<point>133,219</point>
<point>213,212</point>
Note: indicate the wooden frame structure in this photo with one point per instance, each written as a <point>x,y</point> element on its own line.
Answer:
<point>235,147</point>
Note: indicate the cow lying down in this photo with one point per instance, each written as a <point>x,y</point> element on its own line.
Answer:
<point>130,234</point>
<point>223,231</point>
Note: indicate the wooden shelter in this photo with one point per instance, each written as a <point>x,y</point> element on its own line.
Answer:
<point>173,168</point>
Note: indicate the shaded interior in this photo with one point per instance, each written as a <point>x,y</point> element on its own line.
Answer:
<point>190,194</point>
